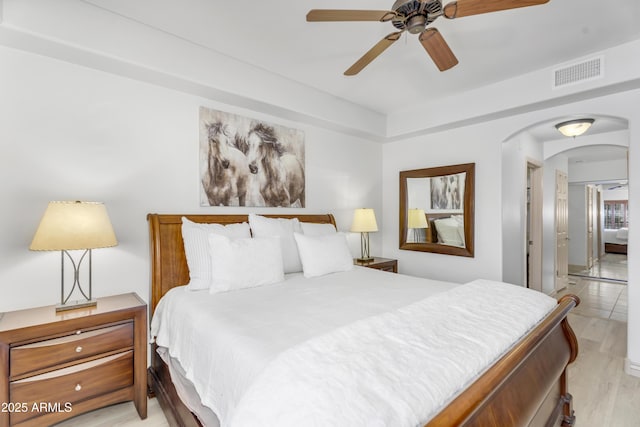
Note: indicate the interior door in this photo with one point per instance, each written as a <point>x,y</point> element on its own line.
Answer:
<point>589,226</point>
<point>562,231</point>
<point>599,245</point>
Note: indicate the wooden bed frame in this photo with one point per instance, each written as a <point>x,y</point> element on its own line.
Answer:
<point>526,387</point>
<point>615,248</point>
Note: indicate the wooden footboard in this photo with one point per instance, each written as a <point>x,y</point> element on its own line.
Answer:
<point>527,386</point>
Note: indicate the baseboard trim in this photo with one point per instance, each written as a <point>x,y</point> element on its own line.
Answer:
<point>632,368</point>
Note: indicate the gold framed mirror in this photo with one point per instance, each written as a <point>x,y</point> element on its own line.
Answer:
<point>437,209</point>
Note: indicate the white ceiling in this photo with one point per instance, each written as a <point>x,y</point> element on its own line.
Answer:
<point>596,153</point>
<point>547,131</point>
<point>275,36</point>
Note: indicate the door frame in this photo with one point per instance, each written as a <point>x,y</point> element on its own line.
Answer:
<point>533,221</point>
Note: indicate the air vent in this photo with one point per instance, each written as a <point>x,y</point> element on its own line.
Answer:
<point>580,72</point>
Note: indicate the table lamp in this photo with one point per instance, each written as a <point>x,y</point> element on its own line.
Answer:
<point>69,226</point>
<point>364,222</point>
<point>416,220</point>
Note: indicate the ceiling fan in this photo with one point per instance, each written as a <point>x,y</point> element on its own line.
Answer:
<point>414,16</point>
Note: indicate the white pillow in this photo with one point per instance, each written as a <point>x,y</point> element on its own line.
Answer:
<point>449,232</point>
<point>196,248</point>
<point>284,228</point>
<point>244,263</point>
<point>622,234</point>
<point>322,255</point>
<point>315,229</point>
<point>459,219</point>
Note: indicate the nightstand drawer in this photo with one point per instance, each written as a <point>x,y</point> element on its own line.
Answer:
<point>72,384</point>
<point>390,268</point>
<point>39,356</point>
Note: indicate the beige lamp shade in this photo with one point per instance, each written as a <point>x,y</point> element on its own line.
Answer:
<point>417,219</point>
<point>364,221</point>
<point>74,225</point>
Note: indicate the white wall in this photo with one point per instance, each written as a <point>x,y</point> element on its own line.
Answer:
<point>516,152</point>
<point>69,132</point>
<point>607,170</point>
<point>621,193</point>
<point>479,145</point>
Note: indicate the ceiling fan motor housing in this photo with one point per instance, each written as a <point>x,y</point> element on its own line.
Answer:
<point>415,15</point>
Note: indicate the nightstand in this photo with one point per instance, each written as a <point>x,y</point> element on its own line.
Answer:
<point>384,264</point>
<point>54,366</point>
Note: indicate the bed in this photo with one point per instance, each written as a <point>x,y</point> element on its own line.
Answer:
<point>527,385</point>
<point>615,240</point>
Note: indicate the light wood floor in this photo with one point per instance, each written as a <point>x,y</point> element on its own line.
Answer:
<point>121,415</point>
<point>603,395</point>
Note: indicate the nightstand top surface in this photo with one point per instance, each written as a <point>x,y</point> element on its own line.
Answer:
<point>375,260</point>
<point>47,314</point>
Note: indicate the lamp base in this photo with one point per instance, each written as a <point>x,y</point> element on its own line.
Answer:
<point>365,260</point>
<point>72,305</point>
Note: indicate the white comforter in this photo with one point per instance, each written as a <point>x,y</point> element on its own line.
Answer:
<point>350,345</point>
<point>395,369</point>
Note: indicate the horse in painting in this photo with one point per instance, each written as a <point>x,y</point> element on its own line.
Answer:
<point>280,175</point>
<point>226,176</point>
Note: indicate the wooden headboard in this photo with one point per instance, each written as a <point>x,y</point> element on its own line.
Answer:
<point>168,262</point>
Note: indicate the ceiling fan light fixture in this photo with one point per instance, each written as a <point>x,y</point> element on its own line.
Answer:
<point>416,24</point>
<point>574,127</point>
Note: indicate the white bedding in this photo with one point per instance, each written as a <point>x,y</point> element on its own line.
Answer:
<point>618,236</point>
<point>395,369</point>
<point>244,336</point>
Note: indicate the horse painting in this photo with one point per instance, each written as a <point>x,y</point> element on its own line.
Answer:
<point>278,174</point>
<point>226,176</point>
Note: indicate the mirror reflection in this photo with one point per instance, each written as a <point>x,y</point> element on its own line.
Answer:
<point>436,210</point>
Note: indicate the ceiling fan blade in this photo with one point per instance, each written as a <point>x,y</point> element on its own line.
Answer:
<point>460,8</point>
<point>438,49</point>
<point>373,53</point>
<point>323,15</point>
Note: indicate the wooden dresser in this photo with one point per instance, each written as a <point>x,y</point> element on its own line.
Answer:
<point>54,366</point>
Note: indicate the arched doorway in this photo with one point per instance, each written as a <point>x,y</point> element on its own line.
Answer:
<point>542,143</point>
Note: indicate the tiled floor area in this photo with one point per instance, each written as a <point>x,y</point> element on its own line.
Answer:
<point>598,299</point>
<point>606,299</point>
<point>611,266</point>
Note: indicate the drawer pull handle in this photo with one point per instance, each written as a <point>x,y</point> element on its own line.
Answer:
<point>78,387</point>
<point>78,332</point>
<point>78,349</point>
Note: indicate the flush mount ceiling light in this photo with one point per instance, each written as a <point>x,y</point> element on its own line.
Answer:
<point>574,127</point>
